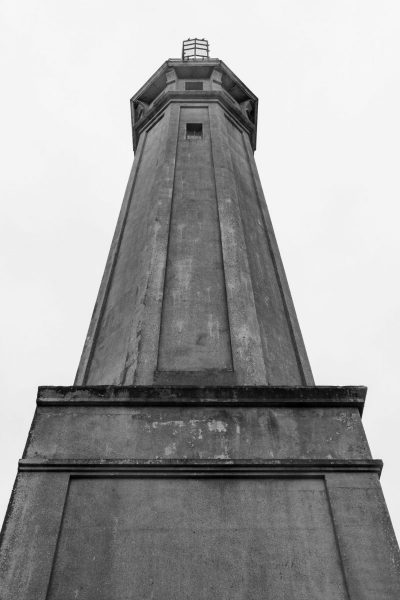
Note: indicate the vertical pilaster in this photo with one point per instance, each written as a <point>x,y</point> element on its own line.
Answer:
<point>163,189</point>
<point>294,327</point>
<point>367,543</point>
<point>30,534</point>
<point>87,353</point>
<point>245,332</point>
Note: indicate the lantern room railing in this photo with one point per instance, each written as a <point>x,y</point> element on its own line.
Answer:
<point>195,49</point>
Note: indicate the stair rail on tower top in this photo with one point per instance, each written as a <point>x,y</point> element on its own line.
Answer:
<point>195,49</point>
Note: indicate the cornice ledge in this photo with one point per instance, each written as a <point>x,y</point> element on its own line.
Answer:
<point>217,395</point>
<point>203,468</point>
<point>166,97</point>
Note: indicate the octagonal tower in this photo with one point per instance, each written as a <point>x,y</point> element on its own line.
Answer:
<point>194,289</point>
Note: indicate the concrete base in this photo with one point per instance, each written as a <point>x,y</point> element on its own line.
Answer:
<point>179,492</point>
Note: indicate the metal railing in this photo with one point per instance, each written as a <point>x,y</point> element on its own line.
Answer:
<point>195,49</point>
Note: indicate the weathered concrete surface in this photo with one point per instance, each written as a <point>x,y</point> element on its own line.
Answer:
<point>197,539</point>
<point>279,351</point>
<point>365,535</point>
<point>197,433</point>
<point>29,535</point>
<point>166,538</point>
<point>194,284</point>
<point>122,309</point>
<point>194,325</point>
<point>198,495</point>
<point>181,422</point>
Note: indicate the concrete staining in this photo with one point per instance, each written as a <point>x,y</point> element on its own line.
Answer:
<point>198,433</point>
<point>194,457</point>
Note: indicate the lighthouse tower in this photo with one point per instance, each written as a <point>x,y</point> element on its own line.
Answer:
<point>194,457</point>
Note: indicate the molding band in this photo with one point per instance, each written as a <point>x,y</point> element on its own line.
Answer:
<point>203,468</point>
<point>219,396</point>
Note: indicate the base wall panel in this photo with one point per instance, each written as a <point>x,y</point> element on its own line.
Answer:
<point>199,539</point>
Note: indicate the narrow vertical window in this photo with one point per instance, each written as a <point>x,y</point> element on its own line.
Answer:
<point>194,131</point>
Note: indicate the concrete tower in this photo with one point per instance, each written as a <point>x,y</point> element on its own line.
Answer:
<point>194,457</point>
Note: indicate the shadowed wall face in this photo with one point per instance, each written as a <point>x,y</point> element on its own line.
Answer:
<point>279,351</point>
<point>122,305</point>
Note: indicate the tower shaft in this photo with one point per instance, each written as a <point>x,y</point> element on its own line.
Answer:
<point>194,457</point>
<point>194,289</point>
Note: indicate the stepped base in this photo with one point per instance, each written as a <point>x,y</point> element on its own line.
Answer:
<point>173,492</point>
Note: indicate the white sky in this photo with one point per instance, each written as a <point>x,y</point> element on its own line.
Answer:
<point>327,74</point>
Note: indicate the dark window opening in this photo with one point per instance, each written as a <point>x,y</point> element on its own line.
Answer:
<point>194,131</point>
<point>193,85</point>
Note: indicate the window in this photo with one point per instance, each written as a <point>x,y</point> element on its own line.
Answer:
<point>193,85</point>
<point>194,131</point>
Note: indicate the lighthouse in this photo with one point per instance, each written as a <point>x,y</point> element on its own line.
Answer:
<point>194,456</point>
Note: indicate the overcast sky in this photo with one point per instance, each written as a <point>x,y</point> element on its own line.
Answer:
<point>327,74</point>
